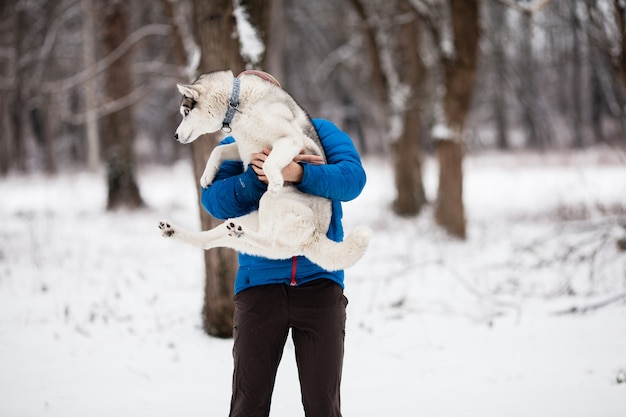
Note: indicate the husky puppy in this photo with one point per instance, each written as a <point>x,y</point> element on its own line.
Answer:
<point>262,115</point>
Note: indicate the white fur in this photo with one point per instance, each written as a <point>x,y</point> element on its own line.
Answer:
<point>288,222</point>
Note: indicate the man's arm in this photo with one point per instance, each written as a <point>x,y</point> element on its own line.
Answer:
<point>234,192</point>
<point>343,177</point>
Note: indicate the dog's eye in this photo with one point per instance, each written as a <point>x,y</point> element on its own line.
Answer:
<point>185,112</point>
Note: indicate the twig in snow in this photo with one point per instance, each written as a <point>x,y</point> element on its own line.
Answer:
<point>479,293</point>
<point>591,307</point>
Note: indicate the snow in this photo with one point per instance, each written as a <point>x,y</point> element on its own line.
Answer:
<point>251,45</point>
<point>100,316</point>
<point>442,132</point>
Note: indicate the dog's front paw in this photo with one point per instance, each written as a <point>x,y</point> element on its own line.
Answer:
<point>167,230</point>
<point>208,175</point>
<point>206,180</point>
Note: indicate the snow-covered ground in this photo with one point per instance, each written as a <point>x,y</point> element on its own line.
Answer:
<point>100,316</point>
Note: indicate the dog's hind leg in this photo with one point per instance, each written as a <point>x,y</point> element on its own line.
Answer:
<point>240,234</point>
<point>334,256</point>
<point>218,236</point>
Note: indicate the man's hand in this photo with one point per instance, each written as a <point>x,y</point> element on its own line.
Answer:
<point>291,173</point>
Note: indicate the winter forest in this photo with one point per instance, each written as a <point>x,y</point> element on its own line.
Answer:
<point>493,134</point>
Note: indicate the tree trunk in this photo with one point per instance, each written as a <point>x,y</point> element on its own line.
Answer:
<point>538,134</point>
<point>5,134</point>
<point>620,14</point>
<point>277,41</point>
<point>17,103</point>
<point>450,212</point>
<point>577,100</point>
<point>214,27</point>
<point>379,82</point>
<point>411,196</point>
<point>498,16</point>
<point>41,121</point>
<point>407,70</point>
<point>459,76</point>
<point>118,126</point>
<point>89,57</point>
<point>597,101</point>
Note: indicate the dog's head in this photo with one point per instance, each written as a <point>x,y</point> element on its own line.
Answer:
<point>204,105</point>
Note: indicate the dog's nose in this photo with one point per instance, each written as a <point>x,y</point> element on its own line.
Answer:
<point>176,136</point>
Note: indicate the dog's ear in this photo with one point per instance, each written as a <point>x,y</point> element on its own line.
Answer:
<point>188,91</point>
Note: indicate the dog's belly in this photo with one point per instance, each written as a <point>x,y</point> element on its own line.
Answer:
<point>291,204</point>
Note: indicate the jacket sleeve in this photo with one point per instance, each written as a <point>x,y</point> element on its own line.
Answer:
<point>343,177</point>
<point>234,192</point>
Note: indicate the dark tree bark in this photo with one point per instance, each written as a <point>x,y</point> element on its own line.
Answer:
<point>41,121</point>
<point>538,132</point>
<point>459,76</point>
<point>620,15</point>
<point>277,41</point>
<point>6,134</point>
<point>498,17</point>
<point>17,103</point>
<point>5,147</point>
<point>118,127</point>
<point>404,42</point>
<point>378,79</point>
<point>411,196</point>
<point>577,99</point>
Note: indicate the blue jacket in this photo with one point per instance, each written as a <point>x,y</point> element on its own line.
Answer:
<point>236,192</point>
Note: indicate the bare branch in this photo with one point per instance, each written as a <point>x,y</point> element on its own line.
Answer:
<point>591,307</point>
<point>43,56</point>
<point>531,8</point>
<point>81,77</point>
<point>107,108</point>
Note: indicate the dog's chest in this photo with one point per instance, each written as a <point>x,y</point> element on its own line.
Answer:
<point>249,146</point>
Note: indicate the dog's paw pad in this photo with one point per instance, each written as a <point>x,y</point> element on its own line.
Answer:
<point>166,229</point>
<point>234,230</point>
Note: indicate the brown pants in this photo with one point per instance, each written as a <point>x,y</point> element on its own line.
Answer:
<point>316,313</point>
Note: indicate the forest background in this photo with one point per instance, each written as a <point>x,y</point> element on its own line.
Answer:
<point>90,85</point>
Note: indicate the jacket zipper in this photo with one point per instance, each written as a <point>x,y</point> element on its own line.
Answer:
<point>294,267</point>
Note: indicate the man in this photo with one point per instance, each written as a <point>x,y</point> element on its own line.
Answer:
<point>273,296</point>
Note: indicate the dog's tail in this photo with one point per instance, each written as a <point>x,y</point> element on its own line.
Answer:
<point>335,256</point>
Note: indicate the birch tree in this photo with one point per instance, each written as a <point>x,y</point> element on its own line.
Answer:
<point>91,101</point>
